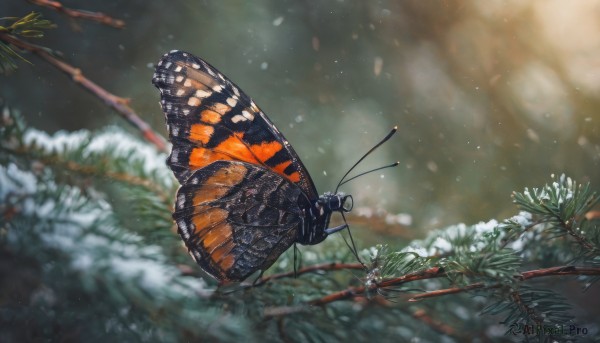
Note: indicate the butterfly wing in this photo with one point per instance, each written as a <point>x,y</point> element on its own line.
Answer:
<point>236,218</point>
<point>210,119</point>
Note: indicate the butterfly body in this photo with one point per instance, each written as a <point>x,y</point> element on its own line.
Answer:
<point>245,196</point>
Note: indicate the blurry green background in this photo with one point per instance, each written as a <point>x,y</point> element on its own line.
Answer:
<point>489,96</point>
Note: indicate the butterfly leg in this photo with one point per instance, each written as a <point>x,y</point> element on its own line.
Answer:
<point>258,281</point>
<point>335,229</point>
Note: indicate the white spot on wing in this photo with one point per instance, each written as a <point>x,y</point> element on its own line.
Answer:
<point>180,92</point>
<point>183,228</point>
<point>202,93</point>
<point>238,118</point>
<point>179,78</point>
<point>231,102</point>
<point>187,83</point>
<point>180,200</point>
<point>248,115</point>
<point>217,88</point>
<point>178,69</point>
<point>193,101</point>
<point>196,66</point>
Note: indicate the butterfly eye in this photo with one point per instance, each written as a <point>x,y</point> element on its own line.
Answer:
<point>350,206</point>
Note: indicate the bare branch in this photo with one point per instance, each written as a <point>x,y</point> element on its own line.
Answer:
<point>81,14</point>
<point>120,105</point>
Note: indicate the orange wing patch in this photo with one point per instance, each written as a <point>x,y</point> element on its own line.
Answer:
<point>201,133</point>
<point>279,169</point>
<point>232,148</point>
<point>201,157</point>
<point>210,225</point>
<point>219,183</point>
<point>222,257</point>
<point>205,221</point>
<point>266,150</point>
<point>217,236</point>
<point>210,117</point>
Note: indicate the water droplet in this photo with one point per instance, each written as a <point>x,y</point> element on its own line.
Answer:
<point>277,21</point>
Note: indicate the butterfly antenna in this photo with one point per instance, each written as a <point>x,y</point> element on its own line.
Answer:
<point>388,136</point>
<point>370,171</point>
<point>353,247</point>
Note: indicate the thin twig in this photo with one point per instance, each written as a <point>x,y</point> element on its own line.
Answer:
<point>354,291</point>
<point>81,14</point>
<point>446,291</point>
<point>561,270</point>
<point>121,105</point>
<point>531,312</point>
<point>554,271</point>
<point>436,325</point>
<point>568,226</point>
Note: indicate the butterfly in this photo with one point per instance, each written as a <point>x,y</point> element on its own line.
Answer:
<point>245,196</point>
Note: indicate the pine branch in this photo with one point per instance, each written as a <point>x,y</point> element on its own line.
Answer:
<point>564,205</point>
<point>98,170</point>
<point>105,155</point>
<point>126,278</point>
<point>353,292</point>
<point>120,105</point>
<point>30,26</point>
<point>82,14</point>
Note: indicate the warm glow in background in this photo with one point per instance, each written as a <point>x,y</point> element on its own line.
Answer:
<point>489,96</point>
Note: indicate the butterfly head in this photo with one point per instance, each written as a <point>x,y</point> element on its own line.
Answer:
<point>314,230</point>
<point>338,202</point>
